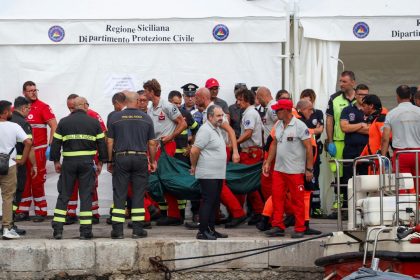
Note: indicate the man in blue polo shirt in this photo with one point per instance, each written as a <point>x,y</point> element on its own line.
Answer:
<point>353,124</point>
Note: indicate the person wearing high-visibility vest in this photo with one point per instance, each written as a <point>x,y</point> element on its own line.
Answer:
<point>81,137</point>
<point>74,199</point>
<point>334,144</point>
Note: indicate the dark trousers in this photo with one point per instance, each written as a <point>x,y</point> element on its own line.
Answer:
<point>72,170</point>
<point>351,152</point>
<point>134,169</point>
<point>210,200</point>
<point>20,185</point>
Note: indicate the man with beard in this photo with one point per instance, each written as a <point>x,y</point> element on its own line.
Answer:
<point>208,151</point>
<point>40,117</point>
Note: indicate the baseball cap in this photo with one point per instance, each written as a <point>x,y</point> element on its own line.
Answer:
<point>189,89</point>
<point>212,82</point>
<point>283,104</point>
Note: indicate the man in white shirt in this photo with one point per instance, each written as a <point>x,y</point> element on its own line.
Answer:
<point>251,142</point>
<point>12,133</point>
<point>403,121</point>
<point>168,123</point>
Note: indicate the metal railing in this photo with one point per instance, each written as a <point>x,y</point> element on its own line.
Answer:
<point>371,159</point>
<point>415,177</point>
<point>383,161</point>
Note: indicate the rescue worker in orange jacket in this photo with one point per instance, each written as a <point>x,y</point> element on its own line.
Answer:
<point>372,107</point>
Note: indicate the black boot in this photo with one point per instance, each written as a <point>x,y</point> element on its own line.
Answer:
<point>255,219</point>
<point>86,232</point>
<point>58,230</point>
<point>264,224</point>
<point>117,230</point>
<point>310,231</point>
<point>289,221</point>
<point>138,231</point>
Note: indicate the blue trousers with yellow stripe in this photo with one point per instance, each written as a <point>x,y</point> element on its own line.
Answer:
<point>129,168</point>
<point>75,169</point>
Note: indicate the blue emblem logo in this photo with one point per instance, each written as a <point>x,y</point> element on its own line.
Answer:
<point>220,32</point>
<point>56,33</point>
<point>361,30</point>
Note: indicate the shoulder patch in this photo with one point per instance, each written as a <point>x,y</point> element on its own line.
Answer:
<point>306,132</point>
<point>247,123</point>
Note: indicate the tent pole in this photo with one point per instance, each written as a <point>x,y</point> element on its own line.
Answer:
<point>286,82</point>
<point>296,55</point>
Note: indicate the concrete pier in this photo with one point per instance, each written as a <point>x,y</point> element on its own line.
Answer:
<point>38,256</point>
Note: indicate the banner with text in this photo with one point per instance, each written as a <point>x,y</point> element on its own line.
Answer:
<point>173,31</point>
<point>362,29</point>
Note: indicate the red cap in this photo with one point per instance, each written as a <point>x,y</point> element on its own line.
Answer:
<point>283,104</point>
<point>212,82</point>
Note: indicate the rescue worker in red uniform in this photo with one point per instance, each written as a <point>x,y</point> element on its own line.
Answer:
<point>71,216</point>
<point>168,123</point>
<point>251,142</point>
<point>292,150</point>
<point>40,116</point>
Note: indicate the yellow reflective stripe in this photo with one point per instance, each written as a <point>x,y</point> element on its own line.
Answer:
<point>163,207</point>
<point>60,212</point>
<point>137,218</point>
<point>182,201</point>
<point>29,136</point>
<point>178,151</point>
<point>85,222</point>
<point>79,137</point>
<point>181,206</point>
<point>118,211</point>
<point>58,136</point>
<point>15,207</point>
<point>137,210</point>
<point>100,136</point>
<point>79,153</point>
<point>194,125</point>
<point>185,132</point>
<point>85,214</point>
<point>118,219</point>
<point>60,220</point>
<point>19,156</point>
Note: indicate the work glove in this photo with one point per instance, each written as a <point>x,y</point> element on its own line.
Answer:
<point>331,149</point>
<point>48,152</point>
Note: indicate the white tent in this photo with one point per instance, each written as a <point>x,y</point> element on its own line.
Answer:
<point>97,47</point>
<point>379,40</point>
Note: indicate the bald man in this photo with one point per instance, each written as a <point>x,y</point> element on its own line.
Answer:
<point>81,137</point>
<point>71,217</point>
<point>130,139</point>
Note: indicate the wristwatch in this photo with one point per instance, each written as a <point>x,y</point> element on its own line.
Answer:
<point>310,170</point>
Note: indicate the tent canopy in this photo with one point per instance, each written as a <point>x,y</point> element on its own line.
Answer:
<point>138,9</point>
<point>376,20</point>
